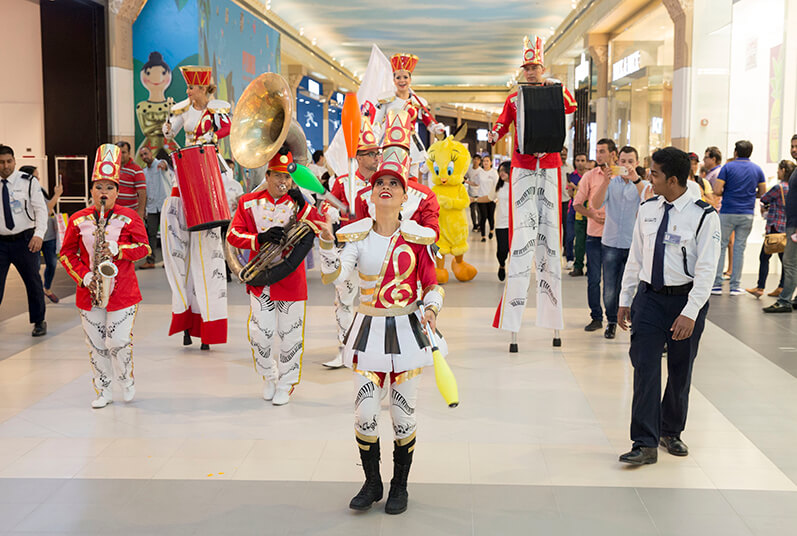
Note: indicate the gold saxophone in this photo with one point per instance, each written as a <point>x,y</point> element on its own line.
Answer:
<point>105,270</point>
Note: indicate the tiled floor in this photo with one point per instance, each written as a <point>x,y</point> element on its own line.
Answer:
<point>532,448</point>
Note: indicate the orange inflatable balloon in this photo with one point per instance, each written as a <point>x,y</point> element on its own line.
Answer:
<point>350,123</point>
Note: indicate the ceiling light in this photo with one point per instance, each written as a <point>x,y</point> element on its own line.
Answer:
<point>301,30</point>
<point>314,41</point>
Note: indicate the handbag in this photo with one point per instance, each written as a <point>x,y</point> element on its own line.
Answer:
<point>775,242</point>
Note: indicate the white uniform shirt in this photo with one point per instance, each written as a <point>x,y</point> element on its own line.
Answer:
<point>693,259</point>
<point>158,187</point>
<point>27,201</point>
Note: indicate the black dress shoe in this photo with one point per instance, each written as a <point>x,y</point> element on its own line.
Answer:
<point>674,445</point>
<point>576,272</point>
<point>39,329</point>
<point>186,338</point>
<point>501,273</point>
<point>204,347</point>
<point>778,307</point>
<point>594,325</point>
<point>610,332</point>
<point>640,456</point>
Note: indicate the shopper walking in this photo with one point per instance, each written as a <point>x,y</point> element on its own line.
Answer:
<point>157,191</point>
<point>739,183</point>
<point>785,303</point>
<point>576,220</point>
<point>619,196</point>
<point>500,196</point>
<point>472,182</point>
<point>606,154</point>
<point>22,228</point>
<point>488,178</point>
<point>132,183</point>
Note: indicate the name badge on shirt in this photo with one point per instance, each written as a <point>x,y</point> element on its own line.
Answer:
<point>16,207</point>
<point>673,239</point>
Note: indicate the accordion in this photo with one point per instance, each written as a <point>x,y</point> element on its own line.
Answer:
<point>540,119</point>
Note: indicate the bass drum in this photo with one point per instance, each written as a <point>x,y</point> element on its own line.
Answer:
<point>201,187</point>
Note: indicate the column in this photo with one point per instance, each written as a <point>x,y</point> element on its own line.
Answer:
<point>327,90</point>
<point>295,73</point>
<point>682,14</point>
<point>598,46</point>
<point>122,14</point>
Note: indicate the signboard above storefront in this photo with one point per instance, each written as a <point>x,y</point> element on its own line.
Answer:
<point>628,65</point>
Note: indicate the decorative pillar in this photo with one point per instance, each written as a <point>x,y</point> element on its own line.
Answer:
<point>598,46</point>
<point>122,14</point>
<point>327,89</point>
<point>295,75</point>
<point>682,14</point>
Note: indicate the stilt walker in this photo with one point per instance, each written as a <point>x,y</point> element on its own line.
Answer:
<point>194,260</point>
<point>101,243</point>
<point>534,214</point>
<point>386,346</point>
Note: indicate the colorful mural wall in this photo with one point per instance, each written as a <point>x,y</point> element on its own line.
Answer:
<point>171,33</point>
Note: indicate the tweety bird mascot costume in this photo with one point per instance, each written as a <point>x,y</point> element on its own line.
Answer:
<point>448,160</point>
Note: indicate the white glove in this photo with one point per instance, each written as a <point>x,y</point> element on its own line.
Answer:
<point>114,247</point>
<point>438,128</point>
<point>87,279</point>
<point>552,81</point>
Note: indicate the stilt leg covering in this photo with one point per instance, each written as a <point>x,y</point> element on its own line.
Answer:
<point>372,489</point>
<point>402,460</point>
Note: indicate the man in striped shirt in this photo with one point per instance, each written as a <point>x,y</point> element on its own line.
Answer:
<point>132,183</point>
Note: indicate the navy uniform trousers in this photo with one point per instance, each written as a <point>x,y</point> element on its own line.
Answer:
<point>16,252</point>
<point>652,315</point>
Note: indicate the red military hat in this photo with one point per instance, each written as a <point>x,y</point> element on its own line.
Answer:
<point>282,163</point>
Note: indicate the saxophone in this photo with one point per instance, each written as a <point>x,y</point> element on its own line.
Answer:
<point>105,270</point>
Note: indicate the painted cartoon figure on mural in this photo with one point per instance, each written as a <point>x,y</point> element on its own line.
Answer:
<point>156,77</point>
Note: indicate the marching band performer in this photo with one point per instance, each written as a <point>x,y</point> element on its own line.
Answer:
<point>101,243</point>
<point>346,289</point>
<point>194,261</point>
<point>279,305</point>
<point>386,346</point>
<point>534,223</point>
<point>404,98</point>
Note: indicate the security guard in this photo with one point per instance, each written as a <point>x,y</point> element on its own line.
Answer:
<point>671,265</point>
<point>23,223</point>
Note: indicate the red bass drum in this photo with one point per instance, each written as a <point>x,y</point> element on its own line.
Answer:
<point>201,187</point>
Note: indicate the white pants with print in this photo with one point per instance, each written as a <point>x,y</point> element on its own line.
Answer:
<point>535,242</point>
<point>285,319</point>
<point>345,294</point>
<point>368,403</point>
<point>109,336</point>
<point>194,263</point>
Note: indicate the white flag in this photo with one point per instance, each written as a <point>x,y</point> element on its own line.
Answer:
<point>377,80</point>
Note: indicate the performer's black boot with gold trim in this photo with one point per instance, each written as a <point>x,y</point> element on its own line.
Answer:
<point>402,460</point>
<point>372,489</point>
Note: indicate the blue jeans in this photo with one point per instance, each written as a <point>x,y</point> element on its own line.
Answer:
<point>570,235</point>
<point>50,262</point>
<point>594,262</point>
<point>789,268</point>
<point>741,224</point>
<point>614,260</point>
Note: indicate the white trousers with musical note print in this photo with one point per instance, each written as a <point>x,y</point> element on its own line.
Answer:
<point>345,294</point>
<point>195,265</point>
<point>109,336</point>
<point>284,319</point>
<point>403,392</point>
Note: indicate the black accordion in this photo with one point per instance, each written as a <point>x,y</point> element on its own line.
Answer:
<point>540,119</point>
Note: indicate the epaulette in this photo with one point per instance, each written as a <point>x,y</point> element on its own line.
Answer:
<point>356,231</point>
<point>180,107</point>
<point>654,198</point>
<point>384,98</point>
<point>707,209</point>
<point>217,106</point>
<point>415,233</point>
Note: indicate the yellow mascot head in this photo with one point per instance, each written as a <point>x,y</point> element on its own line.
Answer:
<point>448,161</point>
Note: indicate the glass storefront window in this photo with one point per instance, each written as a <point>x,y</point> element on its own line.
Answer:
<point>640,93</point>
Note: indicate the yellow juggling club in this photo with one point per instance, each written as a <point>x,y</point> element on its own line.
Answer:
<point>446,382</point>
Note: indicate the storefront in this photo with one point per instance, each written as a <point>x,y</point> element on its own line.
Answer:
<point>310,113</point>
<point>640,90</point>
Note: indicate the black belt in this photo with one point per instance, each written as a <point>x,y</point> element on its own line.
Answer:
<point>15,237</point>
<point>680,290</point>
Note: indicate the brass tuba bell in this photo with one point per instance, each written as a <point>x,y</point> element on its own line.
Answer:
<point>263,123</point>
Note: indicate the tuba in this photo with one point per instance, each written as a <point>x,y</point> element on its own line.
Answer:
<point>261,125</point>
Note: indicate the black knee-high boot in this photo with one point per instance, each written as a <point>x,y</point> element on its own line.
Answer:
<point>372,489</point>
<point>402,460</point>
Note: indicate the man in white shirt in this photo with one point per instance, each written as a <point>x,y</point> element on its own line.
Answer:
<point>667,281</point>
<point>487,177</point>
<point>157,191</point>
<point>565,170</point>
<point>22,226</point>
